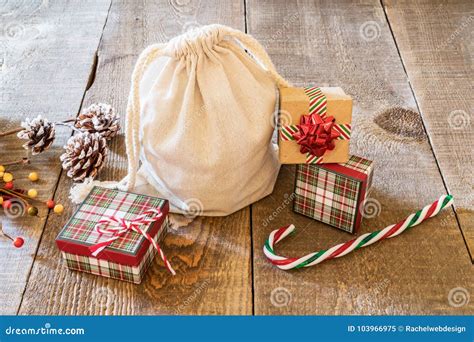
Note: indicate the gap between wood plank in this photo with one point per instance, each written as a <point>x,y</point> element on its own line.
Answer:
<point>90,82</point>
<point>245,17</point>
<point>251,205</point>
<point>424,127</point>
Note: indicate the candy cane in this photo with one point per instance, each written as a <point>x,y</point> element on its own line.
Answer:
<point>344,248</point>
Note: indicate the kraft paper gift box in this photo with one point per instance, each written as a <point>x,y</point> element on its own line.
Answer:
<point>307,103</point>
<point>334,193</point>
<point>130,254</point>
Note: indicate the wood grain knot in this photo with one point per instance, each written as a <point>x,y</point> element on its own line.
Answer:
<point>402,122</point>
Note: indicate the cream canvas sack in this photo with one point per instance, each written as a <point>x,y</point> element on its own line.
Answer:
<point>199,120</point>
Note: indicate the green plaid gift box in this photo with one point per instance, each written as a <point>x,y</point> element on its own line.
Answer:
<point>127,257</point>
<point>334,193</point>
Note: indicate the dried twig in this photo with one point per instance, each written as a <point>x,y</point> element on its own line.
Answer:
<point>22,161</point>
<point>2,233</point>
<point>12,131</point>
<point>16,130</point>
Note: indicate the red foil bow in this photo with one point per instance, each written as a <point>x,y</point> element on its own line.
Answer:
<point>116,228</point>
<point>315,135</point>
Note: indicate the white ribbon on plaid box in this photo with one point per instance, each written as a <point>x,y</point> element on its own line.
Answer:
<point>115,228</point>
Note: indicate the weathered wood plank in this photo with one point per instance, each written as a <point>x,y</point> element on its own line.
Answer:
<point>436,46</point>
<point>46,57</point>
<point>212,256</point>
<point>349,44</point>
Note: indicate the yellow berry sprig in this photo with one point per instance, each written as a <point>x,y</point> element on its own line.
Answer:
<point>8,193</point>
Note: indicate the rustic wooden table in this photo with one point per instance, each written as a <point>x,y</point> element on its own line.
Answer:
<point>396,58</point>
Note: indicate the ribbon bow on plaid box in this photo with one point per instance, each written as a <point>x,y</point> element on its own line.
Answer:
<point>117,227</point>
<point>115,233</point>
<point>316,132</point>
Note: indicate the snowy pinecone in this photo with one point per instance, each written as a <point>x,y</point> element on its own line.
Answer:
<point>39,132</point>
<point>101,118</point>
<point>84,156</point>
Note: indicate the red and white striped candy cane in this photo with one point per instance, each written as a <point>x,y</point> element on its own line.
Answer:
<point>342,249</point>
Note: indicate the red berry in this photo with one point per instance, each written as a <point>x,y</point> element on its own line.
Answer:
<point>9,185</point>
<point>7,204</point>
<point>50,204</point>
<point>18,242</point>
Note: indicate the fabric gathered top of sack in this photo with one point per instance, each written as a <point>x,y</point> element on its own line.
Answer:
<point>199,123</point>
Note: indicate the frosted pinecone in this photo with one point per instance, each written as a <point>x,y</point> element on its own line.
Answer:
<point>100,118</point>
<point>84,155</point>
<point>39,134</point>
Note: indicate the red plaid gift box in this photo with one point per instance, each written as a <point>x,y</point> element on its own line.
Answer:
<point>128,256</point>
<point>334,193</point>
